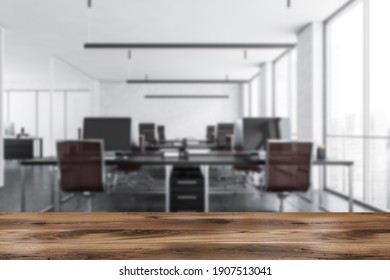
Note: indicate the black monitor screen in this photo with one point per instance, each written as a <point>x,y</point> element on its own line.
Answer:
<point>115,132</point>
<point>257,132</point>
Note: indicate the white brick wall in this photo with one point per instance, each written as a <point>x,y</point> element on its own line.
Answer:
<point>182,118</point>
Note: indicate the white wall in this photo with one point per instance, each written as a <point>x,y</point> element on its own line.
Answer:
<point>53,109</point>
<point>182,117</point>
<point>1,106</point>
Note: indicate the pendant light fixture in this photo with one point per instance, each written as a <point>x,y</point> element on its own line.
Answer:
<point>245,54</point>
<point>89,20</point>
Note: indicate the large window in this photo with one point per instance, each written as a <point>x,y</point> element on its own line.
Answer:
<point>378,96</point>
<point>30,110</point>
<point>358,118</point>
<point>285,88</point>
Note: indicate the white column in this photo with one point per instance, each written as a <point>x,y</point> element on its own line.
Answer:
<point>266,88</point>
<point>263,90</point>
<point>245,100</point>
<point>95,98</point>
<point>255,91</point>
<point>52,89</point>
<point>310,83</point>
<point>310,60</point>
<point>1,107</point>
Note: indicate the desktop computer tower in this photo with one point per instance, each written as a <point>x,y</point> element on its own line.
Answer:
<point>187,190</point>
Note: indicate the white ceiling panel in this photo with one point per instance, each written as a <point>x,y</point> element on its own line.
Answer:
<point>39,29</point>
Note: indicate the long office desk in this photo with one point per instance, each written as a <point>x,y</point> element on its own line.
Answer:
<point>194,144</point>
<point>202,160</point>
<point>195,236</point>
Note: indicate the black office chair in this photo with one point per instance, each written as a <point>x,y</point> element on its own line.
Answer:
<point>224,131</point>
<point>148,132</point>
<point>210,134</point>
<point>288,168</point>
<point>132,175</point>
<point>241,175</point>
<point>161,134</point>
<point>82,168</point>
<point>224,142</point>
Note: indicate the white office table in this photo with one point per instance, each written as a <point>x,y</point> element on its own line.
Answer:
<point>202,160</point>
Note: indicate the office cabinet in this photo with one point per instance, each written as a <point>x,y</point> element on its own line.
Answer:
<point>187,190</point>
<point>23,148</point>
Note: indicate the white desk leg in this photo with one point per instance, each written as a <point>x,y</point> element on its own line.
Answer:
<point>321,186</point>
<point>167,187</point>
<point>23,191</point>
<point>206,188</point>
<point>56,189</point>
<point>350,190</point>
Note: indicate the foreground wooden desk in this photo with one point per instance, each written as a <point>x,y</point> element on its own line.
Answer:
<point>194,236</point>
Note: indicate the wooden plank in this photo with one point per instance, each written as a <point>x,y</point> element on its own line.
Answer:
<point>194,236</point>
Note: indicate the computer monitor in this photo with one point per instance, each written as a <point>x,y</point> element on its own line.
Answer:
<point>115,132</point>
<point>148,130</point>
<point>252,134</point>
<point>223,130</point>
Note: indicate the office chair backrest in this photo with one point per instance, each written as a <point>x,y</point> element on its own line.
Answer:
<point>223,130</point>
<point>81,166</point>
<point>161,133</point>
<point>149,132</point>
<point>288,166</point>
<point>210,134</point>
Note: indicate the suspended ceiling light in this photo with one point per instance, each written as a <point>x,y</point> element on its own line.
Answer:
<point>89,20</point>
<point>288,3</point>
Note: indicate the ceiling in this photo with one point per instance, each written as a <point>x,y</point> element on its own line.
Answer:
<point>39,29</point>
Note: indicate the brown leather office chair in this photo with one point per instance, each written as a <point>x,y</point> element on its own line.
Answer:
<point>82,168</point>
<point>288,168</point>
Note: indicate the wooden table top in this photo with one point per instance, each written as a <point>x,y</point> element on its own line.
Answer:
<point>194,236</point>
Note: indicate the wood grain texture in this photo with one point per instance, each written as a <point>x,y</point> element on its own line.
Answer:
<point>194,236</point>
